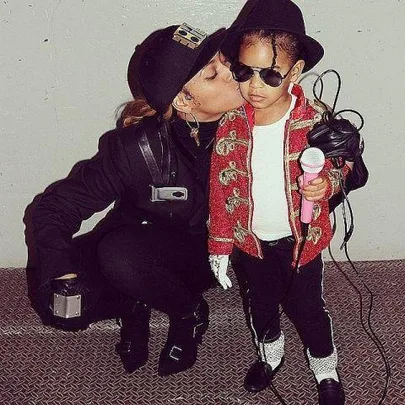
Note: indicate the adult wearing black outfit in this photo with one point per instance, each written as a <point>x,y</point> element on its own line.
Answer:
<point>150,251</point>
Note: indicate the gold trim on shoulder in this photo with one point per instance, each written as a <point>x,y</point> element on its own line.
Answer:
<point>227,145</point>
<point>319,108</point>
<point>299,124</point>
<point>235,201</point>
<point>230,173</point>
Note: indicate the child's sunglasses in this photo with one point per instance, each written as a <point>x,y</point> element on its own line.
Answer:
<point>242,73</point>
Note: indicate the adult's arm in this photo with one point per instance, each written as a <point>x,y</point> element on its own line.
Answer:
<point>91,187</point>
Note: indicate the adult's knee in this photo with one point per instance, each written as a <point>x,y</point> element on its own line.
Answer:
<point>123,261</point>
<point>119,249</point>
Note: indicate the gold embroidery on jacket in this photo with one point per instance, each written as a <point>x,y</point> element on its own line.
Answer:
<point>230,116</point>
<point>316,211</point>
<point>235,201</point>
<point>227,145</point>
<point>294,214</point>
<point>230,174</point>
<point>216,239</point>
<point>300,124</point>
<point>334,177</point>
<point>294,186</point>
<point>314,234</point>
<point>240,233</point>
<point>293,156</point>
<point>319,108</point>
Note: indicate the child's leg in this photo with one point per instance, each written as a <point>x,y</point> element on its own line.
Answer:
<point>263,291</point>
<point>305,307</point>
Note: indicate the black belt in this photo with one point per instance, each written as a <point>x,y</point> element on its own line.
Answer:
<point>287,240</point>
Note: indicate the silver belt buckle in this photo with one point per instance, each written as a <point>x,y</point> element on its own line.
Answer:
<point>168,194</point>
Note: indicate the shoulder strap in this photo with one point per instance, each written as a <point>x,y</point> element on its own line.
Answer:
<point>159,173</point>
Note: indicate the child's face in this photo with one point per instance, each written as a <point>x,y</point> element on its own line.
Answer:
<point>267,101</point>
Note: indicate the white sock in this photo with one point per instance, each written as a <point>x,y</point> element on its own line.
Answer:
<point>333,374</point>
<point>272,352</point>
<point>324,367</point>
<point>274,364</point>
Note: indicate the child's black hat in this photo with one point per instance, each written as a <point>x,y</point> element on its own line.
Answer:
<point>277,15</point>
<point>167,60</point>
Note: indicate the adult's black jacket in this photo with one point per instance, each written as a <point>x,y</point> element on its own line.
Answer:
<point>118,173</point>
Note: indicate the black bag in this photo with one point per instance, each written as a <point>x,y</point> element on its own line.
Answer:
<point>340,140</point>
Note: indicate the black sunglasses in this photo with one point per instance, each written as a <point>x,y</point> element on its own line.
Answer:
<point>242,73</point>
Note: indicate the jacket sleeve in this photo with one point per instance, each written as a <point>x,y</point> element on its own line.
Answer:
<point>332,176</point>
<point>220,240</point>
<point>356,178</point>
<point>91,187</point>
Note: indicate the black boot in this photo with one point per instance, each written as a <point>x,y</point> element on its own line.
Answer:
<point>180,350</point>
<point>133,348</point>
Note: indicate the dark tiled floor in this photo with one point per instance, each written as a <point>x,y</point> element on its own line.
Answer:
<point>41,366</point>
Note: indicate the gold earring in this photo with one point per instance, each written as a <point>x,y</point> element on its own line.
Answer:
<point>194,128</point>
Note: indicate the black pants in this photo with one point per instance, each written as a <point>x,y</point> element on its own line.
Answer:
<point>165,268</point>
<point>271,282</point>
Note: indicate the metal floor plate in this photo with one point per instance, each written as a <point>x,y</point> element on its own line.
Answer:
<point>41,366</point>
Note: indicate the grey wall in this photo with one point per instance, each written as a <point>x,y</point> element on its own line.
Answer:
<point>63,69</point>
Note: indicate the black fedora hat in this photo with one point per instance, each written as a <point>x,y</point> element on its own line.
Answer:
<point>167,60</point>
<point>274,15</point>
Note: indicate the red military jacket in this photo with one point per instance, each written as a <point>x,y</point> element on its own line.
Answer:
<point>231,204</point>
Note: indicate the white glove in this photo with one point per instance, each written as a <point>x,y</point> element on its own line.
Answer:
<point>219,266</point>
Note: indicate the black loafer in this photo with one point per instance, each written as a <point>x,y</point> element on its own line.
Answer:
<point>259,376</point>
<point>330,392</point>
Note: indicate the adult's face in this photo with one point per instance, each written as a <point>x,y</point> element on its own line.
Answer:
<point>213,91</point>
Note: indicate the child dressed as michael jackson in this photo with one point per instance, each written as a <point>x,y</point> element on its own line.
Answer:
<point>256,191</point>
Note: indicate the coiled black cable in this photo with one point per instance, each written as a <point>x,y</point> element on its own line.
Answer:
<point>367,326</point>
<point>342,143</point>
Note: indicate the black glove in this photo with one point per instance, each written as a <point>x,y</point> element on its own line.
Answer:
<point>336,138</point>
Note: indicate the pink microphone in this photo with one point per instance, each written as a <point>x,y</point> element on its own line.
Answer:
<point>312,161</point>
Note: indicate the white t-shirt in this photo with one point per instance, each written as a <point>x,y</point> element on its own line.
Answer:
<point>270,213</point>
